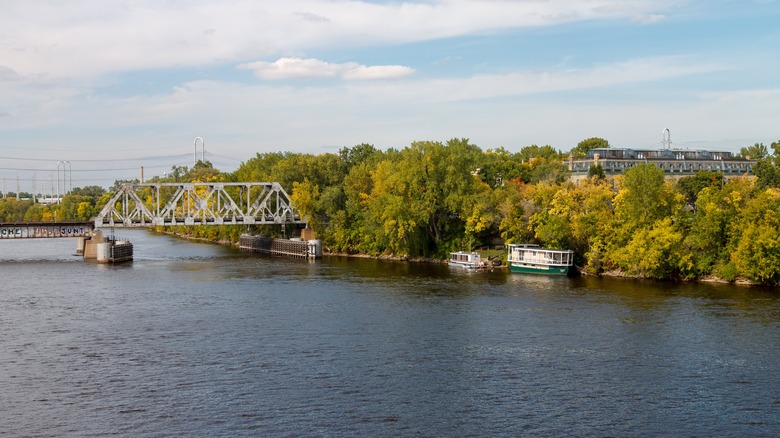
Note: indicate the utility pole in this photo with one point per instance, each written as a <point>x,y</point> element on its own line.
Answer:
<point>58,181</point>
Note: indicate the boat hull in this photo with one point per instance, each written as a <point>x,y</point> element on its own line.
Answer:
<point>540,270</point>
<point>465,265</point>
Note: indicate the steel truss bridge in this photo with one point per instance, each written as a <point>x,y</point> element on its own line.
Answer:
<point>216,203</point>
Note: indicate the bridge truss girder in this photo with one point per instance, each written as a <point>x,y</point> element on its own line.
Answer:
<point>223,203</point>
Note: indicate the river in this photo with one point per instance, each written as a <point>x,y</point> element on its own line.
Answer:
<point>195,339</point>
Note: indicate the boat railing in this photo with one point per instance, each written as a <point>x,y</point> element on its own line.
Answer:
<point>543,257</point>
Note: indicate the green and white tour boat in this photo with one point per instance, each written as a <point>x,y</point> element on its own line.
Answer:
<point>532,259</point>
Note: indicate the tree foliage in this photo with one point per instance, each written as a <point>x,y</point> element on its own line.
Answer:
<point>430,198</point>
<point>756,152</point>
<point>585,146</point>
<point>690,186</point>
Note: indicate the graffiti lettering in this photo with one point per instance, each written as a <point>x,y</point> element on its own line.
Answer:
<point>8,232</point>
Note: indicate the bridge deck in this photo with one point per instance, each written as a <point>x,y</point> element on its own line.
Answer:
<point>30,230</point>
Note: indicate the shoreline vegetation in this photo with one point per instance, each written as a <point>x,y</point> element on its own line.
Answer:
<point>579,269</point>
<point>428,199</point>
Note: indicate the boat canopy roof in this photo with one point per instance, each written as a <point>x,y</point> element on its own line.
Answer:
<point>533,247</point>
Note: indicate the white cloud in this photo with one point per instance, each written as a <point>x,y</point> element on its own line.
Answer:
<point>90,37</point>
<point>486,86</point>
<point>378,72</point>
<point>740,95</point>
<point>286,68</point>
<point>290,68</point>
<point>276,106</point>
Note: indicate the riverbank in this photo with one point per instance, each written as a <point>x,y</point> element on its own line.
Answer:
<point>615,273</point>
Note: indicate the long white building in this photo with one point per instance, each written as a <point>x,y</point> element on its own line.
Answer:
<point>675,163</point>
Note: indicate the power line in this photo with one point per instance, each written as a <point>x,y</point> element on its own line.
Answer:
<point>159,157</point>
<point>225,156</point>
<point>114,178</point>
<point>78,150</point>
<point>82,170</point>
<point>87,170</point>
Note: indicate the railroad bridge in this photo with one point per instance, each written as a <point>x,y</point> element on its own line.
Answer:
<point>216,203</point>
<point>169,204</point>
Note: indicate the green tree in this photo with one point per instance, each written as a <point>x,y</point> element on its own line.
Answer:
<point>91,191</point>
<point>350,229</point>
<point>497,166</point>
<point>713,228</point>
<point>596,171</point>
<point>585,210</point>
<point>421,199</point>
<point>644,208</point>
<point>483,221</point>
<point>583,147</point>
<point>543,163</point>
<point>69,207</point>
<point>547,152</point>
<point>549,214</point>
<point>304,197</point>
<point>176,174</point>
<point>644,197</point>
<point>756,152</point>
<point>85,211</point>
<point>652,252</point>
<point>690,186</point>
<point>515,209</point>
<point>755,249</point>
<point>776,152</point>
<point>13,210</point>
<point>767,173</point>
<point>358,154</point>
<point>202,172</point>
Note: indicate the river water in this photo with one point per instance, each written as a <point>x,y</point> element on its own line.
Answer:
<point>195,339</point>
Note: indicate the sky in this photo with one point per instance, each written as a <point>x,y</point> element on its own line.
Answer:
<point>95,89</point>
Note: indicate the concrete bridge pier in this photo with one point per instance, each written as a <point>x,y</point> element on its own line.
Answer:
<point>107,249</point>
<point>81,242</point>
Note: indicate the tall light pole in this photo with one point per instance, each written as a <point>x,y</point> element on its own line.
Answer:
<point>70,178</point>
<point>65,167</point>
<point>203,153</point>
<point>58,181</point>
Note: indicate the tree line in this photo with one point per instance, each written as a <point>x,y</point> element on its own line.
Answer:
<point>431,198</point>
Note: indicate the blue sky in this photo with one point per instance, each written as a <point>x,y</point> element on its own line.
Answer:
<point>110,86</point>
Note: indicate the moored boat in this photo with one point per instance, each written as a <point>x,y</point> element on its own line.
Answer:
<point>467,260</point>
<point>533,259</point>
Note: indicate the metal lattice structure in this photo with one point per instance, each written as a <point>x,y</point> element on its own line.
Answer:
<point>166,204</point>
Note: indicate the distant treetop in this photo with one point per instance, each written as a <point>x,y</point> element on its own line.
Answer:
<point>582,148</point>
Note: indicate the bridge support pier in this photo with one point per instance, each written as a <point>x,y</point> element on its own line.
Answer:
<point>81,242</point>
<point>107,250</point>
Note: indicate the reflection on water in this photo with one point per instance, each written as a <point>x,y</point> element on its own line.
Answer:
<point>200,339</point>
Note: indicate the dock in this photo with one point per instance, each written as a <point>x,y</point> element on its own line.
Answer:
<point>296,248</point>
